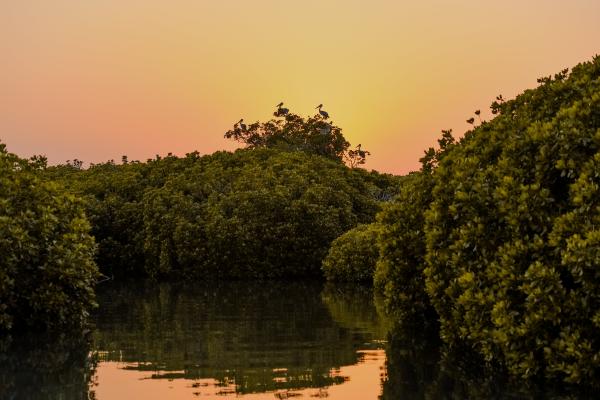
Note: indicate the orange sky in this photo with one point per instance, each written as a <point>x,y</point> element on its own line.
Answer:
<point>98,79</point>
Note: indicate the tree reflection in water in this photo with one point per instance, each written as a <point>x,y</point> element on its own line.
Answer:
<point>420,367</point>
<point>43,367</point>
<point>263,336</point>
<point>251,338</point>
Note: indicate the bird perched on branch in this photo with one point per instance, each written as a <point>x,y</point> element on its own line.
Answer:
<point>324,114</point>
<point>361,153</point>
<point>281,111</point>
<point>241,124</point>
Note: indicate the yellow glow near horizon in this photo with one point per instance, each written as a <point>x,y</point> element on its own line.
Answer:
<point>97,79</point>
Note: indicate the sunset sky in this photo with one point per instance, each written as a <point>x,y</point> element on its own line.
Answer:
<point>98,79</point>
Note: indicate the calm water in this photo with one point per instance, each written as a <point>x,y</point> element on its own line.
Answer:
<point>267,340</point>
<point>232,340</point>
<point>243,341</point>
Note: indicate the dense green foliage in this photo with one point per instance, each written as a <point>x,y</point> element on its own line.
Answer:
<point>46,254</point>
<point>512,237</point>
<point>114,199</point>
<point>401,246</point>
<point>399,269</point>
<point>252,213</point>
<point>511,226</point>
<point>352,256</point>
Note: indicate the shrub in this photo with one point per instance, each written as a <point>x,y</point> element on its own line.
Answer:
<point>399,270</point>
<point>47,271</point>
<point>258,212</point>
<point>499,233</point>
<point>254,213</point>
<point>114,204</point>
<point>513,232</point>
<point>352,256</point>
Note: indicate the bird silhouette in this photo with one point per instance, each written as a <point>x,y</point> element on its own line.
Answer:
<point>243,126</point>
<point>360,152</point>
<point>324,114</point>
<point>281,111</point>
<point>471,121</point>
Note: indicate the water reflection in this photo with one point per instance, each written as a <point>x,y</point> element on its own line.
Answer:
<point>268,340</point>
<point>419,367</point>
<point>40,367</point>
<point>236,338</point>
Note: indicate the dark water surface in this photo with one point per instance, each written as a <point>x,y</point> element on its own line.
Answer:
<point>257,340</point>
<point>227,340</point>
<point>240,340</point>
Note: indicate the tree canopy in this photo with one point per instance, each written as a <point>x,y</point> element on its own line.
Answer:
<point>47,272</point>
<point>261,212</point>
<point>508,253</point>
<point>291,132</point>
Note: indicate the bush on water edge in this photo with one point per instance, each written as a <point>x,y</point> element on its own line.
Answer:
<point>254,213</point>
<point>47,272</point>
<point>352,256</point>
<point>509,251</point>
